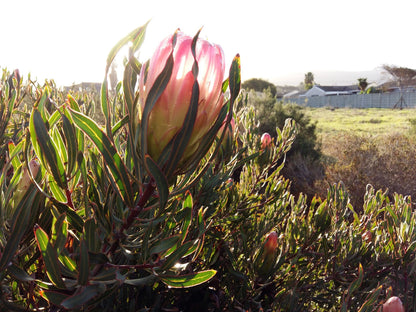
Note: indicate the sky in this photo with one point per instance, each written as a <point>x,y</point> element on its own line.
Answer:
<point>69,41</point>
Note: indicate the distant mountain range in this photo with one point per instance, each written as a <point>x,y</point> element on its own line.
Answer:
<point>333,78</point>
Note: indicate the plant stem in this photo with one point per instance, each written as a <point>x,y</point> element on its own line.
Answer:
<point>148,192</point>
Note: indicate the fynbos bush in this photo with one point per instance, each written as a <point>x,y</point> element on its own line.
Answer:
<point>107,216</point>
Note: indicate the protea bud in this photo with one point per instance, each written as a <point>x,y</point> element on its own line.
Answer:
<point>266,140</point>
<point>226,148</point>
<point>168,114</point>
<point>266,258</point>
<point>394,304</point>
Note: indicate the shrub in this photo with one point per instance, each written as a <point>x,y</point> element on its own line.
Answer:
<point>386,162</point>
<point>303,165</point>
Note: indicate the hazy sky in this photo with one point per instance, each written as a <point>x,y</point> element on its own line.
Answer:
<point>70,40</point>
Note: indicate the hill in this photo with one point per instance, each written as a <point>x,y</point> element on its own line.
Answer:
<point>333,77</point>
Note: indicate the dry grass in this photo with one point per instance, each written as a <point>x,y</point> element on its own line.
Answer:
<point>368,146</point>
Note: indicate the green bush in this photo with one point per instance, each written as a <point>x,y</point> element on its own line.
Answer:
<point>303,166</point>
<point>99,228</point>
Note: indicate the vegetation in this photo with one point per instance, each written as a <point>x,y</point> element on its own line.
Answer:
<point>309,80</point>
<point>259,85</point>
<point>303,165</point>
<point>89,222</point>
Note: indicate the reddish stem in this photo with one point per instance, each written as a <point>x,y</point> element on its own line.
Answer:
<point>148,192</point>
<point>69,199</point>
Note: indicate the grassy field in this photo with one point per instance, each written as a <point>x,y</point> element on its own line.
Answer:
<point>361,121</point>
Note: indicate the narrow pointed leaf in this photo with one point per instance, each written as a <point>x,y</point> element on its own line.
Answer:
<point>81,298</point>
<point>54,297</point>
<point>164,244</point>
<point>19,274</point>
<point>188,280</point>
<point>84,264</point>
<point>71,143</point>
<point>91,237</point>
<point>73,218</point>
<point>180,252</point>
<point>50,258</point>
<point>160,179</point>
<point>187,210</point>
<point>45,148</point>
<point>19,227</point>
<point>111,157</point>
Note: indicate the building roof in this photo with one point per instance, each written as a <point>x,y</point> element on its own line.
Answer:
<point>338,88</point>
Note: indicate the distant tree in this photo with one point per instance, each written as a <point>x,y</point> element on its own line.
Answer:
<point>362,84</point>
<point>401,75</point>
<point>309,80</point>
<point>259,85</point>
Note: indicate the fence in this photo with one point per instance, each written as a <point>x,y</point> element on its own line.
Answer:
<point>373,100</point>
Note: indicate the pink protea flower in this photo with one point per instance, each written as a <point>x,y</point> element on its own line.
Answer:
<point>168,113</point>
<point>271,243</point>
<point>266,140</point>
<point>394,304</point>
<point>266,258</point>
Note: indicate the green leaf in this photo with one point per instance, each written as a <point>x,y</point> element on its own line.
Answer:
<point>71,143</point>
<point>357,282</point>
<point>19,274</point>
<point>143,281</point>
<point>46,149</point>
<point>56,191</point>
<point>120,124</point>
<point>18,229</point>
<point>50,258</point>
<point>160,179</point>
<point>136,37</point>
<point>90,235</point>
<point>164,244</point>
<point>180,252</point>
<point>15,150</point>
<point>371,300</point>
<point>59,232</point>
<point>113,160</point>
<point>188,280</point>
<point>81,297</point>
<point>84,264</point>
<point>187,210</point>
<point>69,264</point>
<point>73,218</point>
<point>54,297</point>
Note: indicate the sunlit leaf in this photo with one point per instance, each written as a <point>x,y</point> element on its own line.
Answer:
<point>111,157</point>
<point>188,280</point>
<point>50,257</point>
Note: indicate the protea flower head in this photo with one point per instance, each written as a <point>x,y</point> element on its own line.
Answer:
<point>266,140</point>
<point>271,243</point>
<point>394,304</point>
<point>168,114</point>
<point>266,258</point>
